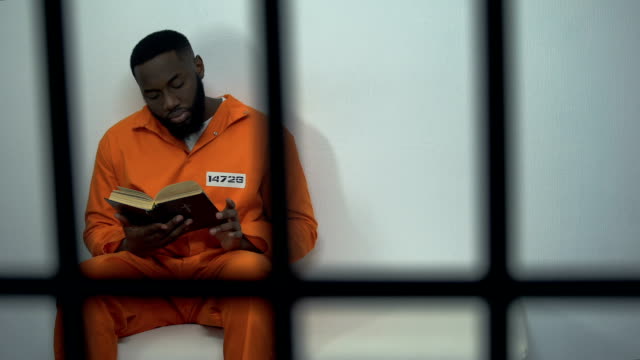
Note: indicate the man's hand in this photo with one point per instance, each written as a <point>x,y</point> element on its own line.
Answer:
<point>230,233</point>
<point>141,240</point>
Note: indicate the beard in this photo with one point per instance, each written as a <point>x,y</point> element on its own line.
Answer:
<point>192,124</point>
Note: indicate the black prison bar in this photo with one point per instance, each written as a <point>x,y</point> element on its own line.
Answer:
<point>280,295</point>
<point>69,302</point>
<point>496,161</point>
<point>297,289</point>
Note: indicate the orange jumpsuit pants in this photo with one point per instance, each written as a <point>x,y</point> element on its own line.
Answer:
<point>247,322</point>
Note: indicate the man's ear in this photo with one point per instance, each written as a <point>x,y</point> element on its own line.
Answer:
<point>199,66</point>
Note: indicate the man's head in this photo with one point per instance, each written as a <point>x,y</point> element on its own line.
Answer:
<point>170,79</point>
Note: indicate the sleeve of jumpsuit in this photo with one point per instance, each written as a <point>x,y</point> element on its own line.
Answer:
<point>302,225</point>
<point>103,232</point>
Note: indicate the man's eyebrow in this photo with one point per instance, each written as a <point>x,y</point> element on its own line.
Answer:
<point>168,82</point>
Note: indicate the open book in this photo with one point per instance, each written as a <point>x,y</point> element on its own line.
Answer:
<point>184,198</point>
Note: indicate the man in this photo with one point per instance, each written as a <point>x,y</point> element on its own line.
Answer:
<point>183,135</point>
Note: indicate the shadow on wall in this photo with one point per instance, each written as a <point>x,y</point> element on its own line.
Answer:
<point>339,242</point>
<point>338,238</point>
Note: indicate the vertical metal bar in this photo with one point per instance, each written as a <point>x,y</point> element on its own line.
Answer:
<point>497,162</point>
<point>282,299</point>
<point>69,303</point>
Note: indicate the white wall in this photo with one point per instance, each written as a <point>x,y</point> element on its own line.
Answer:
<point>27,327</point>
<point>384,109</point>
<point>590,329</point>
<point>28,232</point>
<point>578,205</point>
<point>385,328</point>
<point>577,122</point>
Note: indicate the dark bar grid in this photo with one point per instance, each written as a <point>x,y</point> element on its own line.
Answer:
<point>69,303</point>
<point>496,171</point>
<point>300,289</point>
<point>497,288</point>
<point>282,297</point>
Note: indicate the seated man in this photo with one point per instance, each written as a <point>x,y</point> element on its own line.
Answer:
<point>183,135</point>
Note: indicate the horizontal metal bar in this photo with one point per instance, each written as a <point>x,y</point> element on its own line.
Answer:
<point>297,288</point>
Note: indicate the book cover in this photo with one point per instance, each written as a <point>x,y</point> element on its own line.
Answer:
<point>186,199</point>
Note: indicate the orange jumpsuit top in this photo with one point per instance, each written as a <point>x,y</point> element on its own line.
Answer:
<point>139,153</point>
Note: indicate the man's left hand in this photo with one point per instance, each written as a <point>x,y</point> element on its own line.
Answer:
<point>230,233</point>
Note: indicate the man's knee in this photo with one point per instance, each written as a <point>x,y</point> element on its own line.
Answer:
<point>247,265</point>
<point>109,266</point>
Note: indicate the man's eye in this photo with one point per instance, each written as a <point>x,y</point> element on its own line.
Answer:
<point>152,97</point>
<point>178,86</point>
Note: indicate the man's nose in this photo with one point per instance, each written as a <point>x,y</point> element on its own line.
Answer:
<point>170,102</point>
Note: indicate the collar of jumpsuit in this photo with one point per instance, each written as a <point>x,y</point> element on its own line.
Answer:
<point>229,111</point>
<point>192,139</point>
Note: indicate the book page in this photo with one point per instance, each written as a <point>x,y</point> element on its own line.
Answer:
<point>131,200</point>
<point>179,190</point>
<point>131,192</point>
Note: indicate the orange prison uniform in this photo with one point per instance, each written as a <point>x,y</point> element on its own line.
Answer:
<point>139,153</point>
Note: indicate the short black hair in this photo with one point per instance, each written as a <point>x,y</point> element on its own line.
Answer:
<point>158,43</point>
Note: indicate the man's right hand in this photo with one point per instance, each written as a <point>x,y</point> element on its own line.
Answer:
<point>141,240</point>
